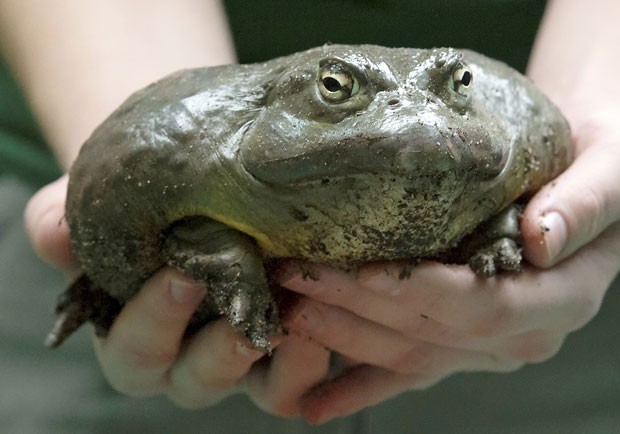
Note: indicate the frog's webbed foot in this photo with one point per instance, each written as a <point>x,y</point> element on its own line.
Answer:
<point>495,245</point>
<point>228,263</point>
<point>503,254</point>
<point>82,302</point>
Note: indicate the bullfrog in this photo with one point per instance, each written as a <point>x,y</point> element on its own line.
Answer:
<point>339,154</point>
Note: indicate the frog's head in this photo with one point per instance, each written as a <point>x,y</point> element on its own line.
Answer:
<point>337,111</point>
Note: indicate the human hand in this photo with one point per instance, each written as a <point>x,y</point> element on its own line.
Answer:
<point>402,334</point>
<point>145,353</point>
<point>396,334</point>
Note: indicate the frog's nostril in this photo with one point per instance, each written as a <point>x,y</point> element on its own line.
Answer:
<point>393,101</point>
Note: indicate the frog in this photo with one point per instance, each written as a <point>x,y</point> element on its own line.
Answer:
<point>340,154</point>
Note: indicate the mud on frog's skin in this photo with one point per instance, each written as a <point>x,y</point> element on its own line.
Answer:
<point>339,154</point>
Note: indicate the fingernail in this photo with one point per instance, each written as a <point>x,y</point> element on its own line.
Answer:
<point>555,233</point>
<point>242,349</point>
<point>323,418</point>
<point>185,292</point>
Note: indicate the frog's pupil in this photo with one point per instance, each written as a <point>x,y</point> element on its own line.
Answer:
<point>466,79</point>
<point>331,84</point>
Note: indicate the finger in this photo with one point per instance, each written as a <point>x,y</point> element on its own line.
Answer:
<point>335,287</point>
<point>360,387</point>
<point>563,298</point>
<point>535,346</point>
<point>414,305</point>
<point>412,350</point>
<point>454,296</point>
<point>211,366</point>
<point>373,344</point>
<point>566,296</point>
<point>580,203</point>
<point>497,307</point>
<point>366,385</point>
<point>47,227</point>
<point>144,341</point>
<point>296,366</point>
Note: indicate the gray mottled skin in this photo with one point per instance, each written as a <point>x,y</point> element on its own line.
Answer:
<point>217,170</point>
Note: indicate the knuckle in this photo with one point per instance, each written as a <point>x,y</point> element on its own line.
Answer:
<point>285,408</point>
<point>135,386</point>
<point>188,402</point>
<point>501,317</point>
<point>340,338</point>
<point>587,309</point>
<point>423,382</point>
<point>223,372</point>
<point>45,225</point>
<point>535,347</point>
<point>508,364</point>
<point>323,324</point>
<point>205,379</point>
<point>127,387</point>
<point>417,359</point>
<point>192,400</point>
<point>138,357</point>
<point>596,206</point>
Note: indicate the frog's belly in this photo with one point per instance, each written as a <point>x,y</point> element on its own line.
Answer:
<point>356,220</point>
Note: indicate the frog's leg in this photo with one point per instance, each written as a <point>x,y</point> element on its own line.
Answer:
<point>81,302</point>
<point>226,260</point>
<point>495,245</point>
<point>230,265</point>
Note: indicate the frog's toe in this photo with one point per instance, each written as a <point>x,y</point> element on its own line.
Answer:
<point>82,302</point>
<point>256,317</point>
<point>64,326</point>
<point>503,254</point>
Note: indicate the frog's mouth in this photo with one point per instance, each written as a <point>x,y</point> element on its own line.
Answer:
<point>328,164</point>
<point>397,155</point>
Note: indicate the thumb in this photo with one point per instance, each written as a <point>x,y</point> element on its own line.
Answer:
<point>46,226</point>
<point>581,203</point>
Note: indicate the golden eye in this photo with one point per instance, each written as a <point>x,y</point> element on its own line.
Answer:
<point>462,79</point>
<point>336,83</point>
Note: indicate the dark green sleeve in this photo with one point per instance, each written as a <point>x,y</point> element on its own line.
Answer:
<point>23,152</point>
<point>504,29</point>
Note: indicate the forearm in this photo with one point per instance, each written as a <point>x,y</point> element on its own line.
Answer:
<point>575,58</point>
<point>576,62</point>
<point>78,60</point>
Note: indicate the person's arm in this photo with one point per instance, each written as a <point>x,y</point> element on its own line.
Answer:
<point>575,61</point>
<point>575,56</point>
<point>407,334</point>
<point>78,60</point>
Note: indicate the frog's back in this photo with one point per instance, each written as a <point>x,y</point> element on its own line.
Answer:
<point>144,162</point>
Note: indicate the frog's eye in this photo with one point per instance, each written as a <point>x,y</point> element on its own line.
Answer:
<point>336,82</point>
<point>462,79</point>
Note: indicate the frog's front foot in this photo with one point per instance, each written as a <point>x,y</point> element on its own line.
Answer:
<point>495,245</point>
<point>228,263</point>
<point>503,254</point>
